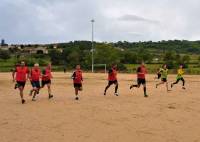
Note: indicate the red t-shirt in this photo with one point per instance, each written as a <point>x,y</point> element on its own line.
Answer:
<point>112,75</point>
<point>35,74</point>
<point>141,71</point>
<point>77,76</point>
<point>21,73</point>
<point>47,74</point>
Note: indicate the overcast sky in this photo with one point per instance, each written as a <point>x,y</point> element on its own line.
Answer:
<point>48,21</point>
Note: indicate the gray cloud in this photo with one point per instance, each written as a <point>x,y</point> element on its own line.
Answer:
<point>44,21</point>
<point>135,18</point>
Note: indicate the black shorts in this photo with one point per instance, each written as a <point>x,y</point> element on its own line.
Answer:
<point>141,81</point>
<point>21,84</point>
<point>112,82</point>
<point>159,75</point>
<point>35,84</point>
<point>78,86</point>
<point>44,82</point>
<point>164,79</point>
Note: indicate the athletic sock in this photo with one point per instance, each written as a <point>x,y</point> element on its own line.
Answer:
<point>145,92</point>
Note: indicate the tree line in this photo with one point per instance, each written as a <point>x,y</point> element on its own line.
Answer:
<point>170,52</point>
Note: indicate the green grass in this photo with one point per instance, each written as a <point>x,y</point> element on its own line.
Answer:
<point>7,65</point>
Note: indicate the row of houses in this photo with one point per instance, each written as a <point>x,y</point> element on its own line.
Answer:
<point>26,49</point>
<point>29,49</point>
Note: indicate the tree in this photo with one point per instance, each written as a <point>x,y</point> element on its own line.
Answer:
<point>106,54</point>
<point>129,57</point>
<point>4,54</point>
<point>55,56</point>
<point>199,58</point>
<point>169,59</point>
<point>186,59</point>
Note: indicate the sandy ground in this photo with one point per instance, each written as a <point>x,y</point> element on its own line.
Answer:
<point>163,117</point>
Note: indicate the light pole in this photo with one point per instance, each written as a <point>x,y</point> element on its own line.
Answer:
<point>92,21</point>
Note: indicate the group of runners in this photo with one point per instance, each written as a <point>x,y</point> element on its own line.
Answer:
<point>21,74</point>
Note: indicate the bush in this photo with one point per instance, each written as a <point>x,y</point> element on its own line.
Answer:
<point>4,55</point>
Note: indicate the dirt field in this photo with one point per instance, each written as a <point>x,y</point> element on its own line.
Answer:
<point>163,117</point>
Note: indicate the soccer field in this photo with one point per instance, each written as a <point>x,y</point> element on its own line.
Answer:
<point>162,117</point>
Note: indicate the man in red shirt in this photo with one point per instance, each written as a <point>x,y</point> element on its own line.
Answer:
<point>35,80</point>
<point>112,79</point>
<point>141,71</point>
<point>20,75</point>
<point>77,80</point>
<point>46,79</point>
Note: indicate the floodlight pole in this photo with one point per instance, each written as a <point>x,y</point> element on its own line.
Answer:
<point>92,21</point>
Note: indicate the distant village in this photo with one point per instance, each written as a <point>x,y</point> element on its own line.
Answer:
<point>26,48</point>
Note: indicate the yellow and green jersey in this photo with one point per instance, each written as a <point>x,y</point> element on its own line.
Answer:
<point>164,73</point>
<point>180,73</point>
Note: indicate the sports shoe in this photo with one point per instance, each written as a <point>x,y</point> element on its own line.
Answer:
<point>116,94</point>
<point>145,95</point>
<point>183,88</point>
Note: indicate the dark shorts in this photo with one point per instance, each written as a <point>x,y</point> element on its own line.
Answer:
<point>21,84</point>
<point>78,86</point>
<point>45,82</point>
<point>141,81</point>
<point>159,75</point>
<point>112,82</point>
<point>164,79</point>
<point>181,78</point>
<point>35,84</point>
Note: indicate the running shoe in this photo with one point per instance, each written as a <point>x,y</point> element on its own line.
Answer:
<point>116,94</point>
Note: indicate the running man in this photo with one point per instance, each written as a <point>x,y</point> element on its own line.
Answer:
<point>112,79</point>
<point>46,79</point>
<point>164,74</point>
<point>20,76</point>
<point>77,79</point>
<point>141,71</point>
<point>35,75</point>
<point>179,77</point>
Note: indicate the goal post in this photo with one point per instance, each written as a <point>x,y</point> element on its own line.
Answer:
<point>101,65</point>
